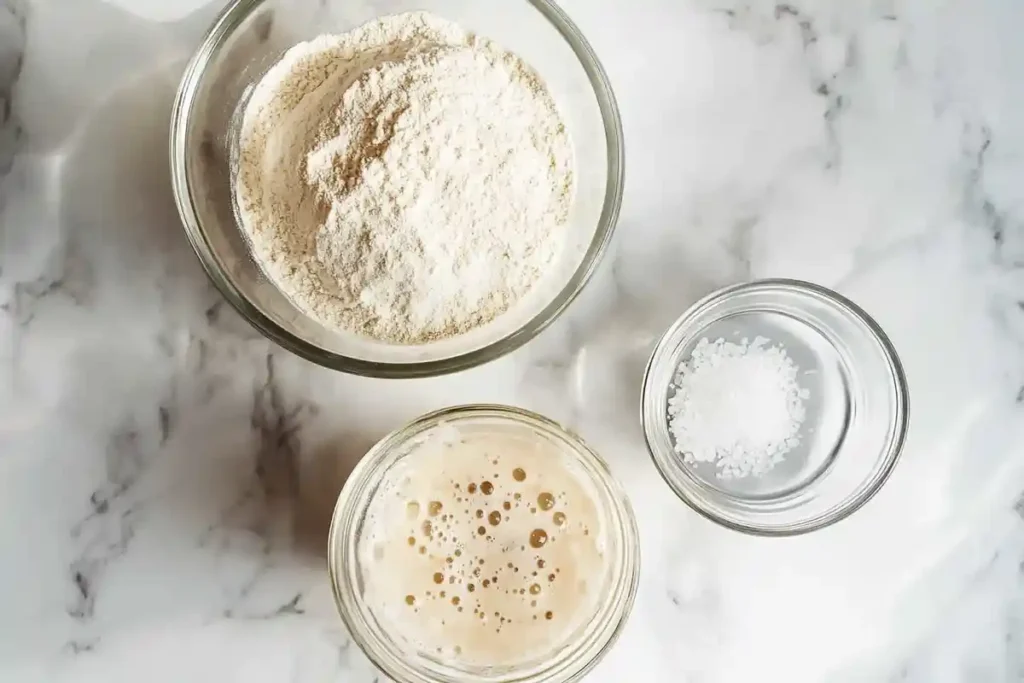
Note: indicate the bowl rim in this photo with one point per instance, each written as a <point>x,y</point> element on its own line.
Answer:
<point>180,130</point>
<point>893,448</point>
<point>349,510</point>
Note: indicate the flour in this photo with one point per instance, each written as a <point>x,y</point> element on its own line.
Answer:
<point>407,181</point>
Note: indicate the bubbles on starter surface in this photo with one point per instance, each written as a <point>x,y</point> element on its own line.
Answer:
<point>486,533</point>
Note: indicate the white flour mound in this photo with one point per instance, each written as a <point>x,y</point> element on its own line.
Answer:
<point>407,181</point>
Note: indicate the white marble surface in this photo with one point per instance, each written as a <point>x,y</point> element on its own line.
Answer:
<point>166,474</point>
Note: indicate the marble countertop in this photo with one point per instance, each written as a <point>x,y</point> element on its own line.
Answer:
<point>166,474</point>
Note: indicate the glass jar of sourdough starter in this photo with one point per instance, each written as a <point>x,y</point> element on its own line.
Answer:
<point>483,543</point>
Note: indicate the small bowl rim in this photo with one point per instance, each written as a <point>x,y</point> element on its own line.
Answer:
<point>181,120</point>
<point>348,512</point>
<point>893,448</point>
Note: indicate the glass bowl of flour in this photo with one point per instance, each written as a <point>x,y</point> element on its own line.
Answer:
<point>397,188</point>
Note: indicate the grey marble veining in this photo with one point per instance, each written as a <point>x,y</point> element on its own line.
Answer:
<point>12,51</point>
<point>166,474</point>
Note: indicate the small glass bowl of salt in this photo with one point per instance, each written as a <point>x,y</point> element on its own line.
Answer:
<point>775,407</point>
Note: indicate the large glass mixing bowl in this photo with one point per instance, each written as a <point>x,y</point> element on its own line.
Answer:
<point>249,36</point>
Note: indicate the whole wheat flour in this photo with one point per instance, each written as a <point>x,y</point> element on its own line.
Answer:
<point>407,181</point>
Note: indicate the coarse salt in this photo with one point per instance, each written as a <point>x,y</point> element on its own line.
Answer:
<point>737,405</point>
